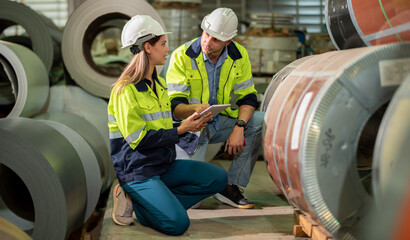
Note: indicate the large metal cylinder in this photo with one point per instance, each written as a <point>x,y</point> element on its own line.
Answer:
<point>43,184</point>
<point>84,24</point>
<point>390,218</point>
<point>360,23</point>
<point>319,130</point>
<point>27,89</point>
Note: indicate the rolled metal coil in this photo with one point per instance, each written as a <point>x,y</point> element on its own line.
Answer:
<point>94,139</point>
<point>43,185</point>
<point>45,36</point>
<point>28,77</point>
<point>390,218</point>
<point>314,123</point>
<point>360,23</point>
<point>83,26</point>
<point>77,101</point>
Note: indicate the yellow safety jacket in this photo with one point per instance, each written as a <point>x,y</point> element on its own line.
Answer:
<point>187,78</point>
<point>141,131</point>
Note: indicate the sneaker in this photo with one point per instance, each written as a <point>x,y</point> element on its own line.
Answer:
<point>196,205</point>
<point>232,195</point>
<point>122,209</point>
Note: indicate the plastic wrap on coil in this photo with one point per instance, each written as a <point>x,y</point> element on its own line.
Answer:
<point>82,27</point>
<point>29,79</point>
<point>314,124</point>
<point>44,35</point>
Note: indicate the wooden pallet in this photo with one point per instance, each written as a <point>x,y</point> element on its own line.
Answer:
<point>306,226</point>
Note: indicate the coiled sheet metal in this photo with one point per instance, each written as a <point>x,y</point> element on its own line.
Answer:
<point>45,36</point>
<point>313,124</point>
<point>360,23</point>
<point>90,110</point>
<point>43,184</point>
<point>28,78</point>
<point>80,31</point>
<point>393,139</point>
<point>94,139</point>
<point>391,171</point>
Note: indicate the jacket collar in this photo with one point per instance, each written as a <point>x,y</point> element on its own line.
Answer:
<point>142,85</point>
<point>194,50</point>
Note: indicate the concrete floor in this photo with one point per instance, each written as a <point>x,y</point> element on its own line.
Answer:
<point>272,218</point>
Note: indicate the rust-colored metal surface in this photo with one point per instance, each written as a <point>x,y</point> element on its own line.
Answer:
<point>359,23</point>
<point>315,115</point>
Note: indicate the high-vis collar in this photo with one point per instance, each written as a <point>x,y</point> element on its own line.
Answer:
<point>142,86</point>
<point>194,50</point>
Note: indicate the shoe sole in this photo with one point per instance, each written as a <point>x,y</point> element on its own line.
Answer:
<point>226,200</point>
<point>114,208</point>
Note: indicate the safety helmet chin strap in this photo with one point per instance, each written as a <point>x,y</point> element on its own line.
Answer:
<point>137,47</point>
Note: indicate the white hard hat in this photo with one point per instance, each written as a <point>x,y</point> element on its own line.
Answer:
<point>221,24</point>
<point>140,29</point>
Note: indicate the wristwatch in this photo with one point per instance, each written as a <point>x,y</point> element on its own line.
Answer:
<point>241,123</point>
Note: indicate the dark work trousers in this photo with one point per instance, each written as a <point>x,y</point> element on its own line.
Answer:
<point>161,202</point>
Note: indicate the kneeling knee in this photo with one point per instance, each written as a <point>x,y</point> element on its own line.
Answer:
<point>176,227</point>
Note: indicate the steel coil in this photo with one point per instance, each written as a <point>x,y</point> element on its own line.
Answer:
<point>314,126</point>
<point>391,149</point>
<point>43,185</point>
<point>45,36</point>
<point>360,23</point>
<point>390,218</point>
<point>82,27</point>
<point>28,77</point>
<point>92,136</point>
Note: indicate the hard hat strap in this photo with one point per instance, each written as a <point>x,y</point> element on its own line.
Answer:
<point>137,47</point>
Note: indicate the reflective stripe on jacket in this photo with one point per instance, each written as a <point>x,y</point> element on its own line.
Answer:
<point>142,136</point>
<point>187,77</point>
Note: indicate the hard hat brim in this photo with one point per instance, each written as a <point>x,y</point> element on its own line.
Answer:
<point>165,33</point>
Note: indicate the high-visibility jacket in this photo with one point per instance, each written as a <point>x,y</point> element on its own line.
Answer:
<point>187,78</point>
<point>142,136</point>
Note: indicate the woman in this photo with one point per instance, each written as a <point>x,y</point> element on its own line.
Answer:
<point>143,138</point>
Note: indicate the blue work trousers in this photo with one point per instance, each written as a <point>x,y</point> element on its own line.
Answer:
<point>160,202</point>
<point>239,172</point>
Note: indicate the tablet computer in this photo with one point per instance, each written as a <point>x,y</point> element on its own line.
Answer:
<point>214,109</point>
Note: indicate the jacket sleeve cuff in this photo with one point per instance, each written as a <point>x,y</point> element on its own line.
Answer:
<point>174,104</point>
<point>176,101</point>
<point>249,99</point>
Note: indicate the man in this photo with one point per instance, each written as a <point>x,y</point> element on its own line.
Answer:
<point>211,70</point>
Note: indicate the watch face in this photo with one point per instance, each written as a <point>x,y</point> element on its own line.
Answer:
<point>241,123</point>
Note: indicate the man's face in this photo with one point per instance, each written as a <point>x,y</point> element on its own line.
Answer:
<point>212,46</point>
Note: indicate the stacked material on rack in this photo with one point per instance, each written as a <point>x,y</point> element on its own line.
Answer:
<point>181,18</point>
<point>270,25</point>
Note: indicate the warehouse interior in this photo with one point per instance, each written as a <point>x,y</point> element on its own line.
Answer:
<point>332,78</point>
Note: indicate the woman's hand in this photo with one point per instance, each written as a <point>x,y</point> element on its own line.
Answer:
<point>190,124</point>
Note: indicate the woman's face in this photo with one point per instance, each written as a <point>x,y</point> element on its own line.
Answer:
<point>159,51</point>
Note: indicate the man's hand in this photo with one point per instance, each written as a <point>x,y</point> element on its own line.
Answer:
<point>235,142</point>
